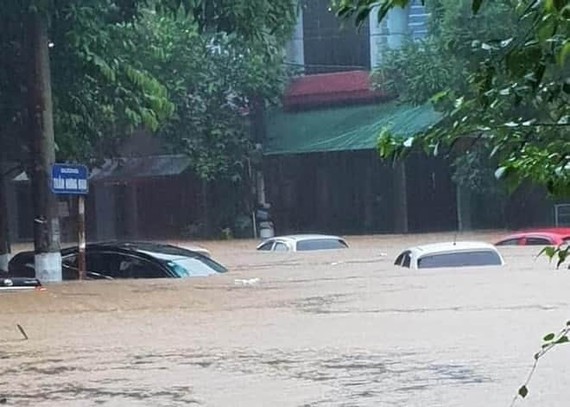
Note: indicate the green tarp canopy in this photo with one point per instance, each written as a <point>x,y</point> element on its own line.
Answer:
<point>343,129</point>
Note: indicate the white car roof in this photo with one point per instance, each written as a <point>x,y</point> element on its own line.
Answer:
<point>417,253</point>
<point>298,238</point>
<point>293,239</point>
<point>447,247</point>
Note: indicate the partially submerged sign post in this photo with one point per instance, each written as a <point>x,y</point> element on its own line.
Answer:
<point>72,179</point>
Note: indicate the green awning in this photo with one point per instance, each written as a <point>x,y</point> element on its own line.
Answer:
<point>343,129</point>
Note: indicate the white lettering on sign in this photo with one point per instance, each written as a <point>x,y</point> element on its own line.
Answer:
<point>82,184</point>
<point>71,183</point>
<point>69,171</point>
<point>59,183</point>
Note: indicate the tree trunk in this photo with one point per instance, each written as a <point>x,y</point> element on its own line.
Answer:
<point>400,198</point>
<point>463,209</point>
<point>4,223</point>
<point>46,222</point>
<point>207,232</point>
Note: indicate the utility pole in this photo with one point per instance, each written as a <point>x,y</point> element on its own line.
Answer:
<point>4,227</point>
<point>46,221</point>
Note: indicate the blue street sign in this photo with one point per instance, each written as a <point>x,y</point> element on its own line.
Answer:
<point>69,179</point>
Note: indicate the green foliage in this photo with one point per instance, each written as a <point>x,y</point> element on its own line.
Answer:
<point>516,101</point>
<point>561,254</point>
<point>473,171</point>
<point>211,79</point>
<point>101,90</point>
<point>108,78</point>
<point>549,342</point>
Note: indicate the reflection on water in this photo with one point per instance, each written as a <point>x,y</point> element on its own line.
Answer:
<point>317,329</point>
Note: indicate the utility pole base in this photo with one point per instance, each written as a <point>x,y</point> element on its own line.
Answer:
<point>48,267</point>
<point>4,260</point>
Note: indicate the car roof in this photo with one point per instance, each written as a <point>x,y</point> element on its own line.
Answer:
<point>558,234</point>
<point>446,247</point>
<point>143,248</point>
<point>150,246</point>
<point>301,237</point>
<point>559,231</point>
<point>519,235</point>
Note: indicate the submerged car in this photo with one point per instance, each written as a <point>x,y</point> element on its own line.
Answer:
<point>450,254</point>
<point>115,260</point>
<point>537,237</point>
<point>301,243</point>
<point>19,284</point>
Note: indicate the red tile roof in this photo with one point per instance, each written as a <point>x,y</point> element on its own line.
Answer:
<point>328,89</point>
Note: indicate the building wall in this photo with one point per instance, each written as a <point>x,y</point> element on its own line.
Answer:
<point>323,43</point>
<point>355,192</point>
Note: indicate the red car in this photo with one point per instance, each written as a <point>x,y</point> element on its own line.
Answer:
<point>537,237</point>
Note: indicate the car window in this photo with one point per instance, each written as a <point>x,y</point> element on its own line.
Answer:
<point>69,267</point>
<point>193,267</point>
<point>280,247</point>
<point>537,241</point>
<point>118,265</point>
<point>321,244</point>
<point>136,267</point>
<point>461,259</point>
<point>22,265</point>
<point>403,259</point>
<point>508,242</point>
<point>266,246</point>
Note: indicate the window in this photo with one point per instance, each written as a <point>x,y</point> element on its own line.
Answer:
<point>537,241</point>
<point>461,259</point>
<point>194,267</point>
<point>266,246</point>
<point>321,244</point>
<point>136,267</point>
<point>117,265</point>
<point>280,247</point>
<point>403,259</point>
<point>508,242</point>
<point>69,267</point>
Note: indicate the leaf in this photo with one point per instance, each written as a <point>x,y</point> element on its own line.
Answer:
<point>549,251</point>
<point>523,391</point>
<point>562,339</point>
<point>548,337</point>
<point>562,256</point>
<point>501,172</point>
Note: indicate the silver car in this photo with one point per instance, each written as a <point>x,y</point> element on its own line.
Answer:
<point>301,243</point>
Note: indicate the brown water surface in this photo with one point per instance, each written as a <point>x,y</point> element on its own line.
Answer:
<point>339,328</point>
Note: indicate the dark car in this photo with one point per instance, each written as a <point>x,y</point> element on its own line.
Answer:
<point>115,260</point>
<point>18,283</point>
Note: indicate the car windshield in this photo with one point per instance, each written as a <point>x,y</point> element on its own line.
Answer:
<point>461,259</point>
<point>192,267</point>
<point>189,266</point>
<point>320,244</point>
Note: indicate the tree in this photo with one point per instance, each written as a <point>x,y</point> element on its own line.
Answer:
<point>211,79</point>
<point>517,99</point>
<point>98,92</point>
<point>447,51</point>
<point>217,82</point>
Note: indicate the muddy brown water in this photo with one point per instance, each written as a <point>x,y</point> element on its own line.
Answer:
<point>340,328</point>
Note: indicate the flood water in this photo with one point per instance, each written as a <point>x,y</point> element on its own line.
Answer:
<point>342,328</point>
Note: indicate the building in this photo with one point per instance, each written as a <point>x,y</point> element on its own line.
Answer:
<point>322,171</point>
